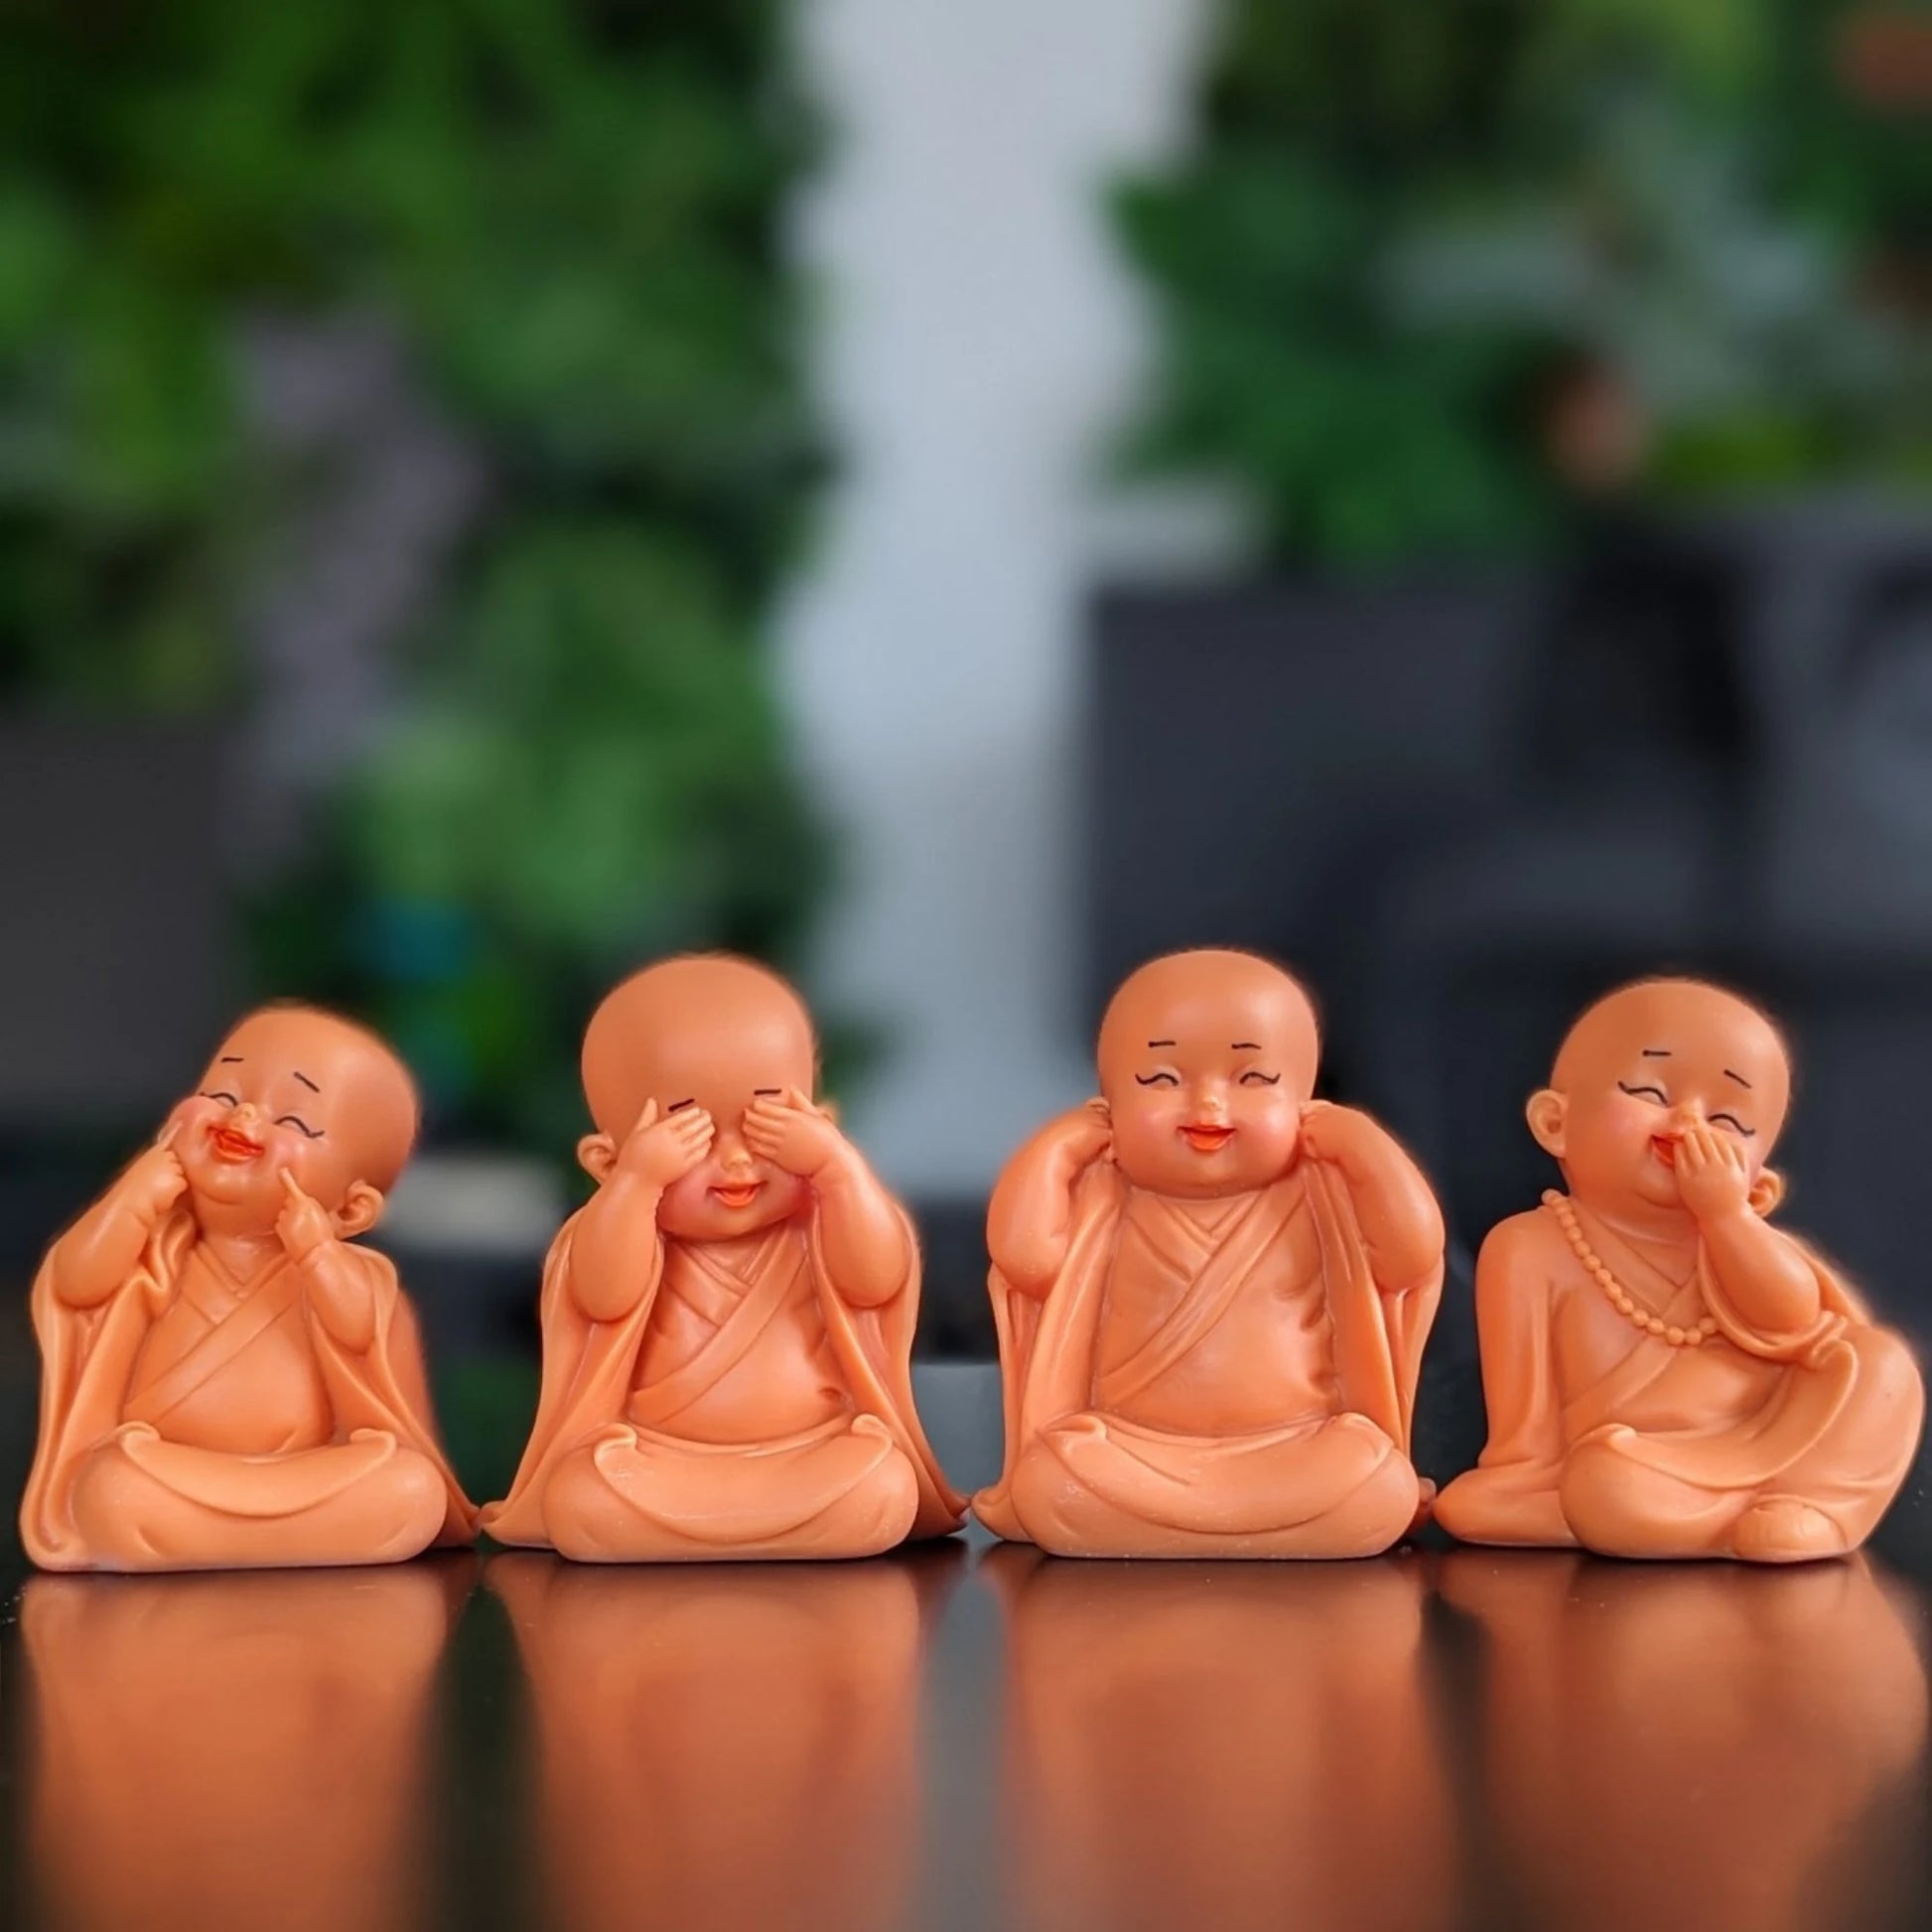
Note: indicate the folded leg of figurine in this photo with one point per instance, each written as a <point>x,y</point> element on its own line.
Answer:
<point>1830,1499</point>
<point>636,1496</point>
<point>1095,1486</point>
<point>1507,1505</point>
<point>141,1503</point>
<point>1620,1506</point>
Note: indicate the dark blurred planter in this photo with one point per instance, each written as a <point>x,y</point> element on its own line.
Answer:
<point>120,962</point>
<point>118,966</point>
<point>1255,755</point>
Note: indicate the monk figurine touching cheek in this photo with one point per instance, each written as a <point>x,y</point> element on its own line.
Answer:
<point>1667,1374</point>
<point>1211,1292</point>
<point>728,1325</point>
<point>227,1381</point>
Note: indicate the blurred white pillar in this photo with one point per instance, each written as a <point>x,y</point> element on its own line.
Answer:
<point>979,339</point>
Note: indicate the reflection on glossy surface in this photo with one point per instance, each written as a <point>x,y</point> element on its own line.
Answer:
<point>726,1747</point>
<point>235,1750</point>
<point>1690,1746</point>
<point>1220,1746</point>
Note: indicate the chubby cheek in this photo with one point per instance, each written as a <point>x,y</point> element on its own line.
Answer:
<point>1146,1121</point>
<point>1269,1127</point>
<point>317,1168</point>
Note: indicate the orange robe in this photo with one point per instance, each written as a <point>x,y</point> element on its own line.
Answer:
<point>187,1421</point>
<point>238,1750</point>
<point>1687,1747</point>
<point>1604,1435</point>
<point>723,1746</point>
<point>1226,1746</point>
<point>1224,1379</point>
<point>743,1407</point>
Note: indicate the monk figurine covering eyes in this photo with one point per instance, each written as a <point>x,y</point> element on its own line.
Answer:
<point>1211,1292</point>
<point>728,1323</point>
<point>1666,1373</point>
<point>227,1381</point>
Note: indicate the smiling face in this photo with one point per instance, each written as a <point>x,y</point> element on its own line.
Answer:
<point>1206,1060</point>
<point>299,1091</point>
<point>710,1033</point>
<point>1640,1067</point>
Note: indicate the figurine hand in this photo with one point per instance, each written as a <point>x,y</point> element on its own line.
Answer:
<point>795,1135</point>
<point>659,1150</point>
<point>1082,1136</point>
<point>1337,1134</point>
<point>154,1181</point>
<point>1713,1174</point>
<point>302,1224</point>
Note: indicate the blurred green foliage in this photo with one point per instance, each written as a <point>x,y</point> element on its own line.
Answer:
<point>1427,256</point>
<point>569,212</point>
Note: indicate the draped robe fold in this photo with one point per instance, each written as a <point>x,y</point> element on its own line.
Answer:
<point>1334,1477</point>
<point>350,1413</point>
<point>664,1434</point>
<point>1706,1430</point>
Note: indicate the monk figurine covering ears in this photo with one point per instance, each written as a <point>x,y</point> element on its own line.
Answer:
<point>1211,1292</point>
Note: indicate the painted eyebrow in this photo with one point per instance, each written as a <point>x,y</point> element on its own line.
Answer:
<point>229,1059</point>
<point>1160,1042</point>
<point>306,1081</point>
<point>1656,1052</point>
<point>758,1090</point>
<point>1739,1079</point>
<point>1245,1046</point>
<point>676,1104</point>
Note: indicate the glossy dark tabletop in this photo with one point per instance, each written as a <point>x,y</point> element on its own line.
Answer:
<point>972,1735</point>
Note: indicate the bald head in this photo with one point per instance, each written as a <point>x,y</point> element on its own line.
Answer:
<point>676,1029</point>
<point>1666,1020</point>
<point>1217,995</point>
<point>349,1089</point>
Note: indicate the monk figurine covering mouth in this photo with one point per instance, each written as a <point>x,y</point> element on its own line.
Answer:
<point>1211,1292</point>
<point>728,1323</point>
<point>1667,1374</point>
<point>227,1381</point>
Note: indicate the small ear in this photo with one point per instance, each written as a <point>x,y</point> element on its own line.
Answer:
<point>362,1208</point>
<point>1546,1113</point>
<point>597,1155</point>
<point>1767,1192</point>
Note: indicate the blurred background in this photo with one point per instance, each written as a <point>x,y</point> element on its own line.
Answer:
<point>952,500</point>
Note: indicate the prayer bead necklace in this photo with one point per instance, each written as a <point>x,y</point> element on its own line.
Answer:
<point>1621,1299</point>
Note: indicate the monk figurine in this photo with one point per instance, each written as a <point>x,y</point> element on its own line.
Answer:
<point>728,1323</point>
<point>1666,1373</point>
<point>226,1380</point>
<point>1211,1292</point>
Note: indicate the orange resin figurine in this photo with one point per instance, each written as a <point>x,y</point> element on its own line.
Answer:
<point>1211,1292</point>
<point>728,1325</point>
<point>1666,1374</point>
<point>227,1383</point>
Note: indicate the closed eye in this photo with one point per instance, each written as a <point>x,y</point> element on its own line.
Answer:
<point>1255,1078</point>
<point>1161,1079</point>
<point>1646,1092</point>
<point>296,1121</point>
<point>1732,1121</point>
<point>232,1099</point>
